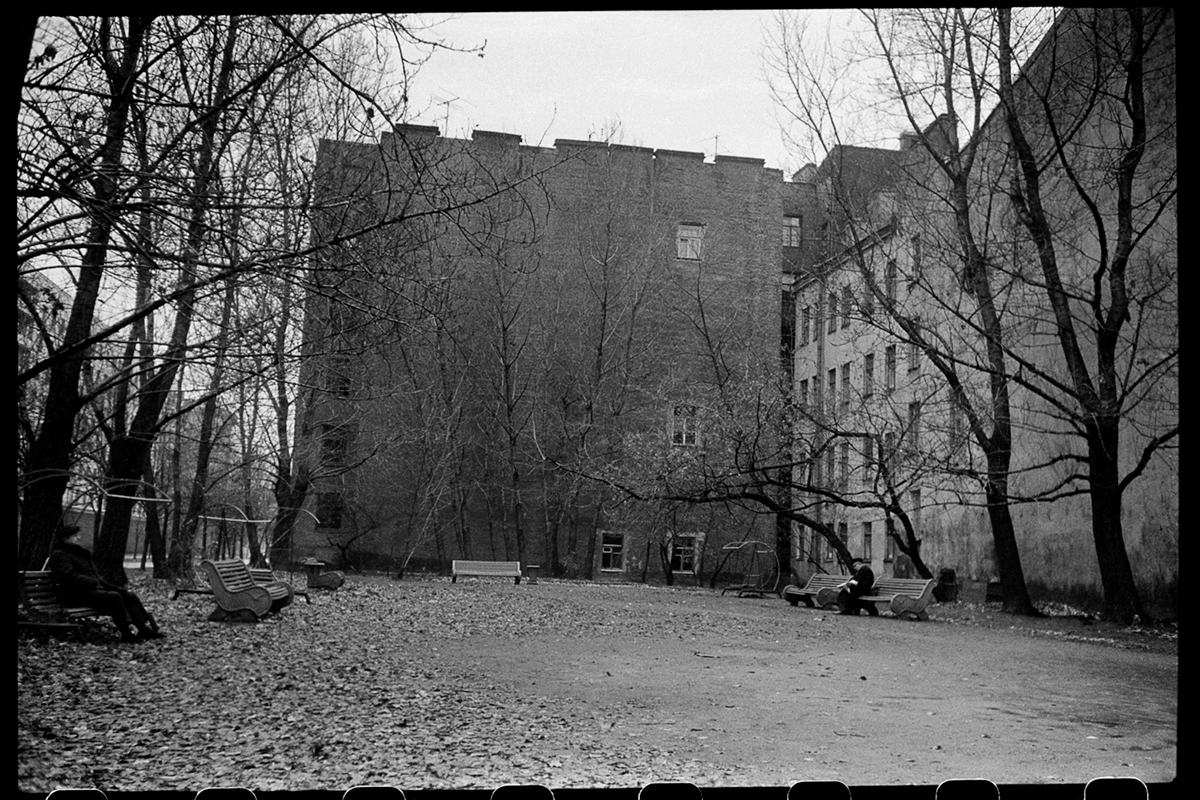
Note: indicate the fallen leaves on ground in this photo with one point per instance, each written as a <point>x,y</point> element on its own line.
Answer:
<point>336,694</point>
<point>350,691</point>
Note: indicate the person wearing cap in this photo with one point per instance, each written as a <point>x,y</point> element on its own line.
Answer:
<point>858,586</point>
<point>79,583</point>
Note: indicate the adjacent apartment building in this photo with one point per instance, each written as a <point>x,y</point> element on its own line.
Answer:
<point>901,303</point>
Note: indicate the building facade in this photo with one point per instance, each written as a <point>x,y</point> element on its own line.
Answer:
<point>894,307</point>
<point>556,325</point>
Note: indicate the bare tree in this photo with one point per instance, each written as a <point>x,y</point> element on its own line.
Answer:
<point>973,308</point>
<point>1092,181</point>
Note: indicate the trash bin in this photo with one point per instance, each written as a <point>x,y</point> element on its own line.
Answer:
<point>995,592</point>
<point>531,572</point>
<point>947,586</point>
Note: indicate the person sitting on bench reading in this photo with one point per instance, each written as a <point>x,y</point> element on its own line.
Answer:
<point>858,586</point>
<point>79,584</point>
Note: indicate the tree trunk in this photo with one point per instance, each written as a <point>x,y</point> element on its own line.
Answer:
<point>1122,602</point>
<point>155,518</point>
<point>1004,538</point>
<point>125,468</point>
<point>204,446</point>
<point>49,461</point>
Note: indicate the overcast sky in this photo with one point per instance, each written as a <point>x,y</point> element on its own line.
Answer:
<point>679,80</point>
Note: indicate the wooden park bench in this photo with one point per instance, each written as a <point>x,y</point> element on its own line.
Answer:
<point>485,569</point>
<point>259,574</point>
<point>794,594</point>
<point>904,597</point>
<point>239,596</point>
<point>43,609</point>
<point>264,575</point>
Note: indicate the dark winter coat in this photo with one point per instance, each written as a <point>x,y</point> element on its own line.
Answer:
<point>864,582</point>
<point>75,573</point>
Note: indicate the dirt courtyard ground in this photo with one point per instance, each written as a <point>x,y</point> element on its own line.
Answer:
<point>428,684</point>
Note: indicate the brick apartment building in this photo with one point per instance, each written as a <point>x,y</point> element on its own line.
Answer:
<point>581,305</point>
<point>560,322</point>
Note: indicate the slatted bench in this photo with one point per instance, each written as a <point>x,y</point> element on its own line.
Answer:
<point>485,569</point>
<point>259,574</point>
<point>237,594</point>
<point>265,575</point>
<point>794,594</point>
<point>45,612</point>
<point>904,597</point>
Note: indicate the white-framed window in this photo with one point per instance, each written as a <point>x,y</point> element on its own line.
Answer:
<point>845,388</point>
<point>831,389</point>
<point>914,427</point>
<point>866,546</point>
<point>685,428</point>
<point>914,351</point>
<point>690,240</point>
<point>612,551</point>
<point>917,265</point>
<point>683,552</point>
<point>889,543</point>
<point>793,231</point>
<point>844,475</point>
<point>868,375</point>
<point>847,303</point>
<point>831,319</point>
<point>890,277</point>
<point>889,357</point>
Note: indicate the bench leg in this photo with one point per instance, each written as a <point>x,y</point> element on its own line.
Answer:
<point>240,615</point>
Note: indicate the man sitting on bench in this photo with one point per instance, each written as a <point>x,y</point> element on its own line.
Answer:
<point>79,584</point>
<point>858,586</point>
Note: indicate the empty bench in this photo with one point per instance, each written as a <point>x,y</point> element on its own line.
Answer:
<point>485,569</point>
<point>238,595</point>
<point>794,594</point>
<point>43,608</point>
<point>904,597</point>
<point>259,574</point>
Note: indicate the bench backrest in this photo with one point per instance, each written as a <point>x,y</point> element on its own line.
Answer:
<point>262,575</point>
<point>910,587</point>
<point>38,593</point>
<point>822,580</point>
<point>505,568</point>
<point>234,575</point>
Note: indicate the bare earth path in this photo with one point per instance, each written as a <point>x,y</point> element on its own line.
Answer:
<point>427,684</point>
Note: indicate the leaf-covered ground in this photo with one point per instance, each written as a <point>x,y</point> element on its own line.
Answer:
<point>407,683</point>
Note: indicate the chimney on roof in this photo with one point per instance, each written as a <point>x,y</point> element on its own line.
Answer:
<point>410,132</point>
<point>806,174</point>
<point>942,134</point>
<point>908,140</point>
